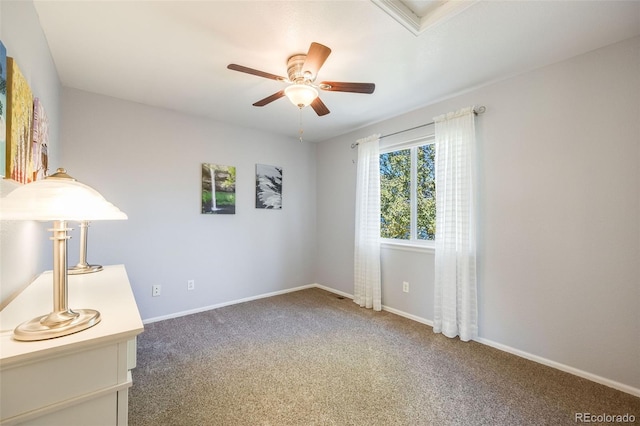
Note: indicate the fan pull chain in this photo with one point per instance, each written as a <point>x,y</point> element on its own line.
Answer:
<point>300,131</point>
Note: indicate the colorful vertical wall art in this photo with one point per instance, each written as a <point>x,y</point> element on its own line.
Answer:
<point>19,164</point>
<point>218,189</point>
<point>40,146</point>
<point>268,187</point>
<point>3,110</point>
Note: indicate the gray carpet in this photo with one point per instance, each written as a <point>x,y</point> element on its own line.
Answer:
<point>311,358</point>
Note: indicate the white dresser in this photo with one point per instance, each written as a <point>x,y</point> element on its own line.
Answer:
<point>81,379</point>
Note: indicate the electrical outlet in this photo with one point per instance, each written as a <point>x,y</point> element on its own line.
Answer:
<point>155,290</point>
<point>405,286</point>
<point>191,285</point>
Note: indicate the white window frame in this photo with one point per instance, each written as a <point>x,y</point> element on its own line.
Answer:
<point>413,243</point>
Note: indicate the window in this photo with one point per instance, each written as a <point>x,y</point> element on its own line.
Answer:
<point>408,193</point>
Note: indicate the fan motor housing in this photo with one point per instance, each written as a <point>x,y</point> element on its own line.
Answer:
<point>294,69</point>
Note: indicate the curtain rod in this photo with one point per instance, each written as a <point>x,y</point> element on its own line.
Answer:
<point>476,111</point>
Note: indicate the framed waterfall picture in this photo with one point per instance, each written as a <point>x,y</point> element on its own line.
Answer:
<point>268,187</point>
<point>218,189</point>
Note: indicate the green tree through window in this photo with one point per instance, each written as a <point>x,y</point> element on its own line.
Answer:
<point>407,194</point>
<point>426,193</point>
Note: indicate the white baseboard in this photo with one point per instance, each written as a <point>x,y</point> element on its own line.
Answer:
<point>540,360</point>
<point>562,367</point>
<point>333,290</point>
<point>384,307</point>
<point>544,361</point>
<point>409,316</point>
<point>223,304</point>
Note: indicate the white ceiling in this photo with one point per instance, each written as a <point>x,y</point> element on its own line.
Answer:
<point>174,54</point>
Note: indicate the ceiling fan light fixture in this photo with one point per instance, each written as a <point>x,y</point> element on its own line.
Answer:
<point>301,95</point>
<point>302,71</point>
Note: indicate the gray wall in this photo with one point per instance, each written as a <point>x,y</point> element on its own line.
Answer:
<point>559,214</point>
<point>25,249</point>
<point>147,161</point>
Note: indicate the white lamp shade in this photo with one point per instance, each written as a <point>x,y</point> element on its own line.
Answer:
<point>301,95</point>
<point>57,199</point>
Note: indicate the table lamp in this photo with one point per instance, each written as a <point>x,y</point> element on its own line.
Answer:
<point>82,267</point>
<point>58,198</point>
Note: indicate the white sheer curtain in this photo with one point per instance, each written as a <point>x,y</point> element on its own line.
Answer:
<point>455,309</point>
<point>367,290</point>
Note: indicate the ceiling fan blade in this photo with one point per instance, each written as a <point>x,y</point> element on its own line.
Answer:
<point>269,99</point>
<point>337,86</point>
<point>316,56</point>
<point>319,107</point>
<point>236,67</point>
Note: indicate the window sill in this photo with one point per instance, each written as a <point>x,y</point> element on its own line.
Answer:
<point>407,246</point>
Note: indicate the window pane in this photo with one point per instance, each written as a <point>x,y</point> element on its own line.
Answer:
<point>426,188</point>
<point>395,204</point>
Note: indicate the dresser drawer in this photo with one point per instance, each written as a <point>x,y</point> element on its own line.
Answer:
<point>52,381</point>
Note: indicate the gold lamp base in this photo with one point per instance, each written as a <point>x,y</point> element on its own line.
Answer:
<point>62,321</point>
<point>84,269</point>
<point>56,324</point>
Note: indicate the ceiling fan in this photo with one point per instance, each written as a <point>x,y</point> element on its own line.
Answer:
<point>302,70</point>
